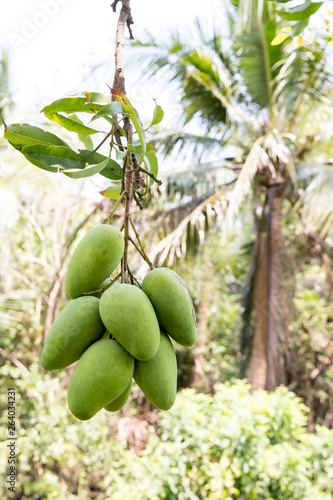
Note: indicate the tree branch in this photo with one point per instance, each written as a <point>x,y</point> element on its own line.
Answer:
<point>125,17</point>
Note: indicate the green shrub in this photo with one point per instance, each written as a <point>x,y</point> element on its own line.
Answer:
<point>230,445</point>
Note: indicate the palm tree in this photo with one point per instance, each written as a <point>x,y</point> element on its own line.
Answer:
<point>267,95</point>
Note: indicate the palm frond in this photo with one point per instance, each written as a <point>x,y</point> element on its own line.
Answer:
<point>180,143</point>
<point>190,234</point>
<point>304,82</point>
<point>257,57</point>
<point>243,186</point>
<point>196,181</point>
<point>268,151</point>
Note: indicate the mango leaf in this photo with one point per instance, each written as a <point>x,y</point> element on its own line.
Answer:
<point>300,12</point>
<point>112,192</point>
<point>53,158</point>
<point>72,105</point>
<point>151,163</point>
<point>71,124</point>
<point>112,108</point>
<point>20,135</point>
<point>136,148</point>
<point>120,154</point>
<point>133,114</point>
<point>97,97</point>
<point>157,116</point>
<point>112,170</point>
<point>87,141</point>
<point>88,171</point>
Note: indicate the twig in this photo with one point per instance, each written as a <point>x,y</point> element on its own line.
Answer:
<point>137,201</point>
<point>102,142</point>
<point>105,287</point>
<point>133,278</point>
<point>153,176</point>
<point>138,238</point>
<point>128,191</point>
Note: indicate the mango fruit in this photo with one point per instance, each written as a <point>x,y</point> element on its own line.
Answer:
<point>119,402</point>
<point>96,256</point>
<point>102,374</point>
<point>75,329</point>
<point>129,316</point>
<point>157,378</point>
<point>172,304</point>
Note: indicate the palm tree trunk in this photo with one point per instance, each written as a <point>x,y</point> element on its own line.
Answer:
<point>275,318</point>
<point>266,366</point>
<point>257,372</point>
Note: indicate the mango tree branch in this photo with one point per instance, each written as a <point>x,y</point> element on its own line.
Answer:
<point>125,17</point>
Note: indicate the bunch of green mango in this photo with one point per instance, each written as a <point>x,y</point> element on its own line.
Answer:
<point>124,334</point>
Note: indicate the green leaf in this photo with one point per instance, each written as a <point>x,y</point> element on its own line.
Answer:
<point>20,135</point>
<point>88,171</point>
<point>151,163</point>
<point>300,12</point>
<point>110,109</point>
<point>278,39</point>
<point>157,116</point>
<point>112,170</point>
<point>112,192</point>
<point>71,124</point>
<point>87,141</point>
<point>120,154</point>
<point>72,105</point>
<point>299,26</point>
<point>136,148</point>
<point>97,97</point>
<point>53,157</point>
<point>133,114</point>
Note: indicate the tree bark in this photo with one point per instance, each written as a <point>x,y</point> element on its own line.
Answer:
<point>266,367</point>
<point>275,317</point>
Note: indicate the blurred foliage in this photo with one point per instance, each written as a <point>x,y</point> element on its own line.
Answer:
<point>227,445</point>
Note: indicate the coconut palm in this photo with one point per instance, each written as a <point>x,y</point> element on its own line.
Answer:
<point>269,91</point>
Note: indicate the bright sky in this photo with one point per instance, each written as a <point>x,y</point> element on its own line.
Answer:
<point>53,43</point>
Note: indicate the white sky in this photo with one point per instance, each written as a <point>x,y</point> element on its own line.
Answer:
<point>54,43</point>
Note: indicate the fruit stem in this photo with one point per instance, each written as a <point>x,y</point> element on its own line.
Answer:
<point>143,252</point>
<point>115,207</point>
<point>128,190</point>
<point>133,278</point>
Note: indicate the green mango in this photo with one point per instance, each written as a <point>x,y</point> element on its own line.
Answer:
<point>157,378</point>
<point>75,329</point>
<point>172,303</point>
<point>96,256</point>
<point>102,374</point>
<point>129,316</point>
<point>119,402</point>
